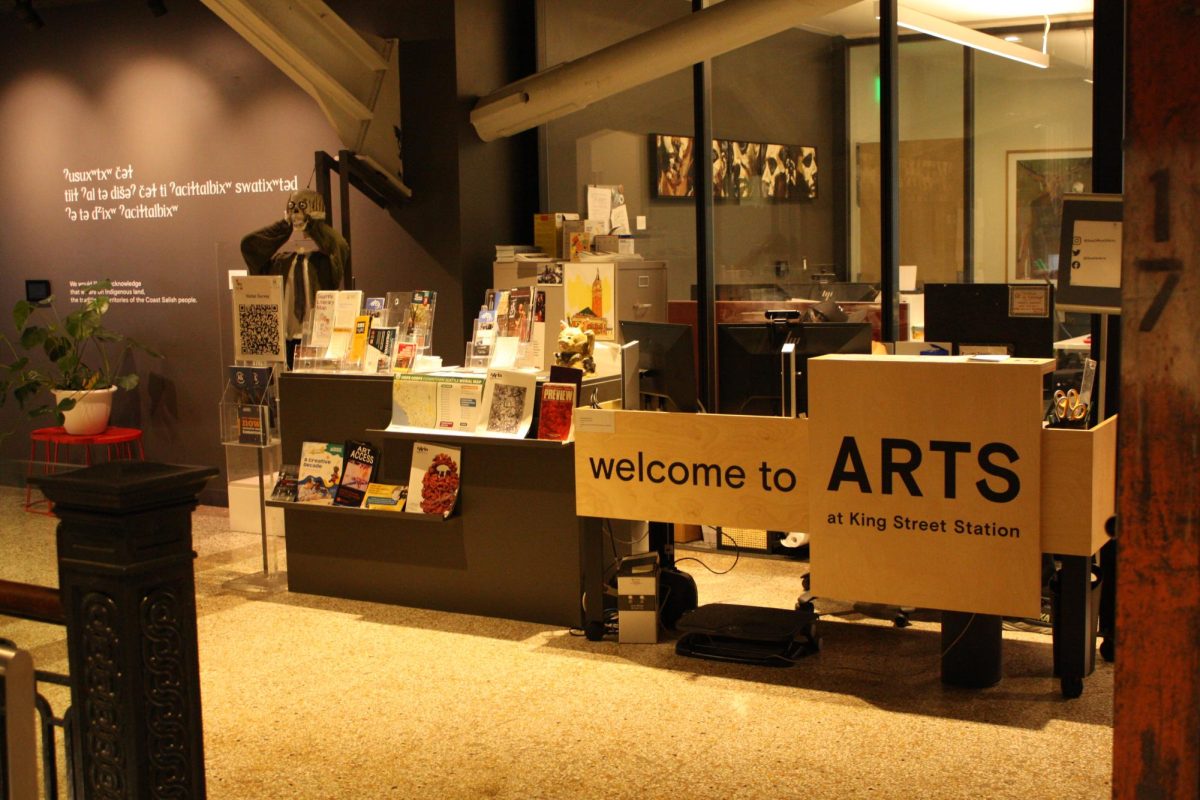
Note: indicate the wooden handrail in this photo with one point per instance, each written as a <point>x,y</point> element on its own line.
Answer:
<point>29,601</point>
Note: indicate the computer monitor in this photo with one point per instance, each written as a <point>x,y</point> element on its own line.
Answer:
<point>838,292</point>
<point>750,366</point>
<point>668,368</point>
<point>989,315</point>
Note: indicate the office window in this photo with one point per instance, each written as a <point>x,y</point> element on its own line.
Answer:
<point>611,142</point>
<point>985,154</point>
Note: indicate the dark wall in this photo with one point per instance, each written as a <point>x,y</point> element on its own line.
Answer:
<point>497,180</point>
<point>183,98</point>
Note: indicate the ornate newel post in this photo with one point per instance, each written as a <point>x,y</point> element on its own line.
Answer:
<point>125,573</point>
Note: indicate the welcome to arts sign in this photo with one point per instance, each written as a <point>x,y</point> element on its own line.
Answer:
<point>918,478</point>
<point>926,482</point>
<point>710,469</point>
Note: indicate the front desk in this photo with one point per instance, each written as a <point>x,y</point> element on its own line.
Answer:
<point>924,482</point>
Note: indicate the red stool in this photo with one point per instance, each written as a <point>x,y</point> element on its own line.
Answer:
<point>118,443</point>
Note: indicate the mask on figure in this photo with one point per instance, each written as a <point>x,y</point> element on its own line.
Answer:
<point>303,206</point>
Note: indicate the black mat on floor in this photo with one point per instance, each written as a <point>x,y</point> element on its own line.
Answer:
<point>774,637</point>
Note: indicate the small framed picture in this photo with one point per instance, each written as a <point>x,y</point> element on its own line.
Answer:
<point>37,290</point>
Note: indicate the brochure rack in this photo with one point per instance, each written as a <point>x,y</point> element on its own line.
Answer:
<point>249,419</point>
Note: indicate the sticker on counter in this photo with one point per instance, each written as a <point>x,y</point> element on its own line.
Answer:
<point>594,420</point>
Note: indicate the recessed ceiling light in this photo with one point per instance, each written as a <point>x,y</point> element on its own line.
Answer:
<point>1012,38</point>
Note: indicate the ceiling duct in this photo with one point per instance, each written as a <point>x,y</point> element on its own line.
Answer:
<point>354,78</point>
<point>704,34</point>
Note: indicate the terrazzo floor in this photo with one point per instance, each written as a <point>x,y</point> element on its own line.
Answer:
<point>311,697</point>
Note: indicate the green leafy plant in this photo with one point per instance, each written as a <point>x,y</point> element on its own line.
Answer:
<point>80,353</point>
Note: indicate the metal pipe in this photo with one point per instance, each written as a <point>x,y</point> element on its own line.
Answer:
<point>28,601</point>
<point>678,45</point>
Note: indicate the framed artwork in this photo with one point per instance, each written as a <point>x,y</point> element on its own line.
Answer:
<point>722,173</point>
<point>746,169</point>
<point>789,172</point>
<point>673,160</point>
<point>1036,181</point>
<point>742,170</point>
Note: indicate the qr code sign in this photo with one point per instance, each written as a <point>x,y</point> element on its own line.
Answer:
<point>258,329</point>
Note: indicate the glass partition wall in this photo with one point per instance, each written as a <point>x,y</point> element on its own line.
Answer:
<point>779,165</point>
<point>615,141</point>
<point>987,148</point>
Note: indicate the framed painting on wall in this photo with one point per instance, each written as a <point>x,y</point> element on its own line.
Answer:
<point>741,170</point>
<point>789,172</point>
<point>673,159</point>
<point>1036,181</point>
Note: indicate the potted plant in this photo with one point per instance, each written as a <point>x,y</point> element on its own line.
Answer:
<point>82,361</point>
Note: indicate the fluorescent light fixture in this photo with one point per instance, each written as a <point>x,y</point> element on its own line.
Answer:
<point>967,37</point>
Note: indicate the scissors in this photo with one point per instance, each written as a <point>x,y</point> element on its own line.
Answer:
<point>1068,406</point>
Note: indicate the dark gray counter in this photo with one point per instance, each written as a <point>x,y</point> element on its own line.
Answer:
<point>511,549</point>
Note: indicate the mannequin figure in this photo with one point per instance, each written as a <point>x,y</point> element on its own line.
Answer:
<point>305,250</point>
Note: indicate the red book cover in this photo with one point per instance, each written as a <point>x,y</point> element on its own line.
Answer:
<point>557,402</point>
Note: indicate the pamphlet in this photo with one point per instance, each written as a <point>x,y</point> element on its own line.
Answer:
<point>406,353</point>
<point>561,374</point>
<point>385,497</point>
<point>322,320</point>
<point>358,341</point>
<point>447,401</point>
<point>285,484</point>
<point>381,348</point>
<point>483,338</point>
<point>345,311</point>
<point>358,468</point>
<point>320,472</point>
<point>418,327</point>
<point>433,479</point>
<point>508,403</point>
<point>250,383</point>
<point>375,308</point>
<point>505,351</point>
<point>519,320</point>
<point>252,424</point>
<point>556,411</point>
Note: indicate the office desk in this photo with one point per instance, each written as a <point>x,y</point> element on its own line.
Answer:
<point>1076,344</point>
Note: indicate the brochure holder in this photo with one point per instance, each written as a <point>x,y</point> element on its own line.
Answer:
<point>249,418</point>
<point>393,339</point>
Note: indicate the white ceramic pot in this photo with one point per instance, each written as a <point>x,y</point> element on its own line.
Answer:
<point>91,411</point>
